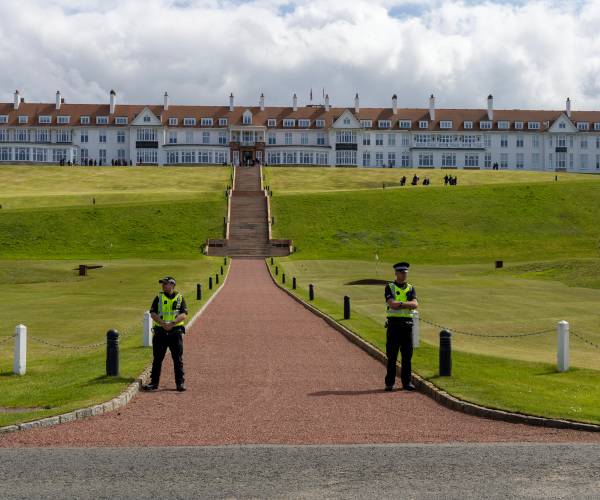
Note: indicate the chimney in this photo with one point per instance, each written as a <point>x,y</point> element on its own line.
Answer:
<point>327,108</point>
<point>432,107</point>
<point>166,102</point>
<point>295,102</point>
<point>113,101</point>
<point>58,101</point>
<point>395,104</point>
<point>490,113</point>
<point>568,107</point>
<point>261,102</point>
<point>17,100</point>
<point>356,103</point>
<point>231,102</point>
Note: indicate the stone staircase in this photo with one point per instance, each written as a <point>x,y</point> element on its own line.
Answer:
<point>248,222</point>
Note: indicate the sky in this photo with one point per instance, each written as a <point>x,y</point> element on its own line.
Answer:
<point>528,54</point>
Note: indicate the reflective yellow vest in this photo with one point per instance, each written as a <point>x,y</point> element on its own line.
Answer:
<point>168,309</point>
<point>400,295</point>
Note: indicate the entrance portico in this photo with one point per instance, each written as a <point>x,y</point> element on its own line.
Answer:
<point>247,143</point>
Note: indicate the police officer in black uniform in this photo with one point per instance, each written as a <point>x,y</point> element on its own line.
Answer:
<point>401,300</point>
<point>168,311</point>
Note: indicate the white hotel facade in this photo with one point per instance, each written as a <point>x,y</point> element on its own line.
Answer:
<point>46,133</point>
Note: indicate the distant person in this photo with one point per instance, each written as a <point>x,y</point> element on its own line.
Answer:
<point>415,180</point>
<point>446,180</point>
<point>168,311</point>
<point>403,180</point>
<point>401,300</point>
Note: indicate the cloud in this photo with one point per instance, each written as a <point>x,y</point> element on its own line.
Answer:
<point>529,54</point>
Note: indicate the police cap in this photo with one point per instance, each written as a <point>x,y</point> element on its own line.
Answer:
<point>168,279</point>
<point>401,266</point>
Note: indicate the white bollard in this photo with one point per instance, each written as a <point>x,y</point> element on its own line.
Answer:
<point>562,361</point>
<point>416,329</point>
<point>20,356</point>
<point>147,329</point>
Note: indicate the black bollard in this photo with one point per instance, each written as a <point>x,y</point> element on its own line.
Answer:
<point>346,307</point>
<point>217,279</point>
<point>271,260</point>
<point>283,278</point>
<point>210,282</point>
<point>112,353</point>
<point>294,283</point>
<point>276,270</point>
<point>273,220</point>
<point>499,264</point>
<point>311,292</point>
<point>225,261</point>
<point>198,291</point>
<point>221,270</point>
<point>445,353</point>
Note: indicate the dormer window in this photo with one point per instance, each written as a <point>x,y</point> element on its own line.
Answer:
<point>121,120</point>
<point>405,124</point>
<point>583,126</point>
<point>596,125</point>
<point>446,124</point>
<point>503,125</point>
<point>3,118</point>
<point>289,122</point>
<point>63,120</point>
<point>384,123</point>
<point>102,120</point>
<point>423,124</point>
<point>485,125</point>
<point>518,125</point>
<point>173,121</point>
<point>206,122</point>
<point>320,123</point>
<point>23,119</point>
<point>468,125</point>
<point>45,119</point>
<point>247,118</point>
<point>271,122</point>
<point>533,125</point>
<point>189,122</point>
<point>366,123</point>
<point>304,123</point>
<point>84,120</point>
<point>222,122</point>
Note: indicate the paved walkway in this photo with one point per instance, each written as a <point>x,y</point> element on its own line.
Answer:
<point>263,369</point>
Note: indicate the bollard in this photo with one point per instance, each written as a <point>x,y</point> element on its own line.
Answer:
<point>210,282</point>
<point>224,261</point>
<point>271,260</point>
<point>311,292</point>
<point>147,330</point>
<point>499,264</point>
<point>221,270</point>
<point>416,329</point>
<point>112,353</point>
<point>346,307</point>
<point>562,355</point>
<point>445,353</point>
<point>276,270</point>
<point>20,355</point>
<point>294,283</point>
<point>198,291</point>
<point>283,278</point>
<point>273,220</point>
<point>217,279</point>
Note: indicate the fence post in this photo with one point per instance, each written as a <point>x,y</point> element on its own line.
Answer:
<point>346,307</point>
<point>311,292</point>
<point>210,282</point>
<point>445,353</point>
<point>221,270</point>
<point>198,291</point>
<point>147,329</point>
<point>216,278</point>
<point>416,329</point>
<point>283,278</point>
<point>20,355</point>
<point>562,361</point>
<point>294,283</point>
<point>112,353</point>
<point>276,270</point>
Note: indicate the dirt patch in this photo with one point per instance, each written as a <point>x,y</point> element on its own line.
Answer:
<point>368,281</point>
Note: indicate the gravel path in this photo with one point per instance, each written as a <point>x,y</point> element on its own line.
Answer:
<point>260,368</point>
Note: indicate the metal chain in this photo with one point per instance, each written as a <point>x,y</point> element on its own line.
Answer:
<point>471,334</point>
<point>75,347</point>
<point>587,341</point>
<point>6,339</point>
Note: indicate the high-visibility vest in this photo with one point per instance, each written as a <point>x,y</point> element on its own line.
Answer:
<point>400,295</point>
<point>168,309</point>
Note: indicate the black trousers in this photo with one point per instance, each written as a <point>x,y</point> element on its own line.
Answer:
<point>162,341</point>
<point>399,338</point>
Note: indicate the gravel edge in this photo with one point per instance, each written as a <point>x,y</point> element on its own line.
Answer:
<point>114,404</point>
<point>434,392</point>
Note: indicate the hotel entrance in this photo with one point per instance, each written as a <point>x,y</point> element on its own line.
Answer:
<point>247,157</point>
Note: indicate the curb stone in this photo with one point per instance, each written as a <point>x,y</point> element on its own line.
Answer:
<point>114,404</point>
<point>434,392</point>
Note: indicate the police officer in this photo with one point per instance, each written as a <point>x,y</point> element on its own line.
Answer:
<point>168,311</point>
<point>401,299</point>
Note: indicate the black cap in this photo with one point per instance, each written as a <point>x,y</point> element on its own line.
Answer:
<point>168,279</point>
<point>401,266</point>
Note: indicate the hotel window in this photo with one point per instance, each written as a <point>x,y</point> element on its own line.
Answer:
<point>571,141</point>
<point>584,161</point>
<point>22,154</point>
<point>45,119</point>
<point>561,142</point>
<point>446,124</point>
<point>405,160</point>
<point>5,154</point>
<point>503,141</point>
<point>378,139</point>
<point>520,141</point>
<point>404,123</point>
<point>503,125</point>
<point>40,154</point>
<point>102,156</point>
<point>391,139</point>
<point>42,136</point>
<point>205,137</point>
<point>272,138</point>
<point>345,137</point>
<point>305,157</point>
<point>533,125</point>
<point>84,120</point>
<point>391,157</point>
<point>520,161</point>
<point>83,156</point>
<point>206,122</point>
<point>189,137</point>
<point>304,123</point>
<point>147,119</point>
<point>121,155</point>
<point>84,136</point>
<point>425,159</point>
<point>102,137</point>
<point>366,124</point>
<point>487,141</point>
<point>345,157</point>
<point>289,157</point>
<point>146,134</point>
<point>188,157</point>
<point>379,159</point>
<point>485,125</point>
<point>304,139</point>
<point>535,160</point>
<point>471,160</point>
<point>320,123</point>
<point>423,124</point>
<point>448,160</point>
<point>189,122</point>
<point>220,157</point>
<point>247,118</point>
<point>3,118</point>
<point>102,120</point>
<point>535,141</point>
<point>288,138</point>
<point>322,158</point>
<point>63,136</point>
<point>346,121</point>
<point>173,121</point>
<point>503,160</point>
<point>23,119</point>
<point>289,123</point>
<point>487,160</point>
<point>583,126</point>
<point>518,125</point>
<point>271,122</point>
<point>366,139</point>
<point>405,140</point>
<point>584,143</point>
<point>366,159</point>
<point>172,137</point>
<point>598,162</point>
<point>3,135</point>
<point>562,125</point>
<point>468,125</point>
<point>320,139</point>
<point>147,156</point>
<point>204,156</point>
<point>384,124</point>
<point>597,142</point>
<point>223,139</point>
<point>596,125</point>
<point>22,135</point>
<point>121,120</point>
<point>63,120</point>
<point>120,137</point>
<point>222,122</point>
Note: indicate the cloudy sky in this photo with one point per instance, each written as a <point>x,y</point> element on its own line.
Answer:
<point>529,54</point>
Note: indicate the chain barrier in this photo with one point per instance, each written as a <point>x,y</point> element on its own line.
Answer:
<point>583,339</point>
<point>485,335</point>
<point>6,339</point>
<point>74,347</point>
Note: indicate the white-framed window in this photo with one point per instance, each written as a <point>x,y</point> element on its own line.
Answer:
<point>320,123</point>
<point>3,135</point>
<point>379,159</point>
<point>535,160</point>
<point>391,159</point>
<point>425,159</point>
<point>40,154</point>
<point>598,142</point>
<point>102,138</point>
<point>504,141</point>
<point>304,139</point>
<point>84,156</point>
<point>5,154</point>
<point>121,137</point>
<point>146,134</point>
<point>485,125</point>
<point>271,122</point>
<point>471,160</point>
<point>520,161</point>
<point>205,137</point>
<point>346,121</point>
<point>503,160</point>
<point>366,159</point>
<point>487,141</point>
<point>83,137</point>
<point>320,139</point>
<point>188,156</point>
<point>405,160</point>
<point>45,119</point>
<point>172,137</point>
<point>384,123</point>
<point>147,155</point>
<point>84,120</point>
<point>305,158</point>
<point>468,125</point>
<point>518,125</point>
<point>535,141</point>
<point>272,138</point>
<point>583,143</point>
<point>533,125</point>
<point>22,135</point>
<point>423,124</point>
<point>42,135</point>
<point>366,124</point>
<point>288,122</point>
<point>147,119</point>
<point>102,156</point>
<point>366,139</point>
<point>102,120</point>
<point>63,120</point>
<point>287,139</point>
<point>121,120</point>
<point>321,158</point>
<point>583,161</point>
<point>289,157</point>
<point>223,122</point>
<point>344,157</point>
<point>487,160</point>
<point>63,136</point>
<point>221,157</point>
<point>596,125</point>
<point>173,121</point>
<point>562,125</point>
<point>189,122</point>
<point>304,123</point>
<point>448,159</point>
<point>405,141</point>
<point>583,126</point>
<point>206,122</point>
<point>23,119</point>
<point>345,136</point>
<point>378,139</point>
<point>446,124</point>
<point>247,118</point>
<point>3,118</point>
<point>404,124</point>
<point>121,155</point>
<point>503,125</point>
<point>391,139</point>
<point>189,137</point>
<point>22,154</point>
<point>223,138</point>
<point>520,141</point>
<point>204,156</point>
